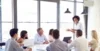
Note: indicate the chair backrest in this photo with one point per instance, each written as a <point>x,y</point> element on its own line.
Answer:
<point>2,43</point>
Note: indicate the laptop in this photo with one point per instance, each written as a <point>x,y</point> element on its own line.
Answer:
<point>28,43</point>
<point>66,39</point>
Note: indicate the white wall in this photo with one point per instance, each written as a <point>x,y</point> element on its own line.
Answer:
<point>94,18</point>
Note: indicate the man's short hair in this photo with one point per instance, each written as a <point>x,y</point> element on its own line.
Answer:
<point>13,32</point>
<point>56,34</point>
<point>39,29</point>
<point>77,17</point>
<point>79,33</point>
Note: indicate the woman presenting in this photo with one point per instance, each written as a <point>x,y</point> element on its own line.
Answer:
<point>77,25</point>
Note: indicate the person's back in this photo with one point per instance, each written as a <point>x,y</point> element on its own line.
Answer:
<point>12,45</point>
<point>81,44</point>
<point>94,44</point>
<point>58,46</point>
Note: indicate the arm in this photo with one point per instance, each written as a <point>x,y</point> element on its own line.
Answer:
<point>46,41</point>
<point>90,43</point>
<point>16,46</point>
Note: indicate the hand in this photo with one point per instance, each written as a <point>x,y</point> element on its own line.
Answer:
<point>21,44</point>
<point>28,49</point>
<point>73,30</point>
<point>68,30</point>
<point>69,41</point>
<point>46,42</point>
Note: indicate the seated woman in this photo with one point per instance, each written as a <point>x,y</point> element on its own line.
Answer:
<point>94,42</point>
<point>23,36</point>
<point>50,35</point>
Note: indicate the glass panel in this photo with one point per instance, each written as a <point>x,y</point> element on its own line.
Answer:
<point>67,0</point>
<point>66,17</point>
<point>29,27</point>
<point>79,8</point>
<point>47,26</point>
<point>6,10</point>
<point>5,31</point>
<point>80,0</point>
<point>63,28</point>
<point>48,16</point>
<point>27,11</point>
<point>27,16</point>
<point>6,17</point>
<point>48,11</point>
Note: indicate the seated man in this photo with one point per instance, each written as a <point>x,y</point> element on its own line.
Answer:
<point>57,45</point>
<point>40,38</point>
<point>80,44</point>
<point>12,44</point>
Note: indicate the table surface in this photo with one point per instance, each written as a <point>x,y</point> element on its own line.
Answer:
<point>41,47</point>
<point>36,47</point>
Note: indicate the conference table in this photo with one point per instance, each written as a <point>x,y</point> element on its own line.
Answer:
<point>40,47</point>
<point>36,48</point>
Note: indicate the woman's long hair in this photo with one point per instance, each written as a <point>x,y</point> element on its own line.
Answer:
<point>94,35</point>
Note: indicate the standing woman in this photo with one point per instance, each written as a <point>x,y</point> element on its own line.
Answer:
<point>94,42</point>
<point>76,25</point>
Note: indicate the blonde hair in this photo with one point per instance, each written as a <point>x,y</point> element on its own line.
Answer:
<point>94,35</point>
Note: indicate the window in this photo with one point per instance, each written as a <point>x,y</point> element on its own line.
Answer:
<point>6,19</point>
<point>27,16</point>
<point>48,16</point>
<point>67,0</point>
<point>80,0</point>
<point>66,18</point>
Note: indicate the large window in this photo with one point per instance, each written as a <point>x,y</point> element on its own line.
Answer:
<point>48,16</point>
<point>6,19</point>
<point>27,16</point>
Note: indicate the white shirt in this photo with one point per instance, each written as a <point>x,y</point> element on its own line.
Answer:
<point>39,39</point>
<point>80,44</point>
<point>77,26</point>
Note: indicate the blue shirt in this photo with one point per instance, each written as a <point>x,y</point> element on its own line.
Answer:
<point>40,39</point>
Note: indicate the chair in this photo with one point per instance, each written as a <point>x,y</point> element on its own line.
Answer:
<point>2,43</point>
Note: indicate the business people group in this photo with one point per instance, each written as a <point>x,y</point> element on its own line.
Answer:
<point>55,44</point>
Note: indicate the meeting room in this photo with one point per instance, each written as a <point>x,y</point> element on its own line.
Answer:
<point>49,25</point>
